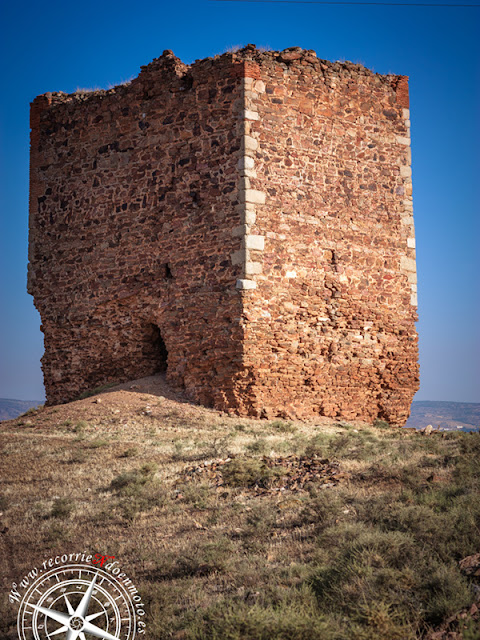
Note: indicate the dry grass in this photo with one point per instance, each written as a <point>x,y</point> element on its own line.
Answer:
<point>374,557</point>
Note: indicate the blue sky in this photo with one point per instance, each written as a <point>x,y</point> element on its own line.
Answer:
<point>53,46</point>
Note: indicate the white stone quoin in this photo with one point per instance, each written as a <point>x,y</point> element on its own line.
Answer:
<point>248,197</point>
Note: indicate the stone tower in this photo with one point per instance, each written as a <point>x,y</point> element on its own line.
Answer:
<point>244,223</point>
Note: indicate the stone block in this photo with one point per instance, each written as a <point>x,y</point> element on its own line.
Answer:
<point>246,162</point>
<point>249,143</point>
<point>244,284</point>
<point>253,268</point>
<point>249,217</point>
<point>407,264</point>
<point>252,196</point>
<point>248,173</point>
<point>259,86</point>
<point>256,243</point>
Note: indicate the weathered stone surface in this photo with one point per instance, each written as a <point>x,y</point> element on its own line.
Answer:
<point>255,242</point>
<point>149,205</point>
<point>246,284</point>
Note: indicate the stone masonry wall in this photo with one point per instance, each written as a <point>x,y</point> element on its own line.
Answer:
<point>133,198</point>
<point>330,315</point>
<point>244,223</point>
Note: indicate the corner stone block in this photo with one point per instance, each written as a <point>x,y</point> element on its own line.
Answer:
<point>251,115</point>
<point>253,268</point>
<point>255,242</point>
<point>250,144</point>
<point>252,196</point>
<point>240,231</point>
<point>246,284</point>
<point>248,173</point>
<point>246,162</point>
<point>407,264</point>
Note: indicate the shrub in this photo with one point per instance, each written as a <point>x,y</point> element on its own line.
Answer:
<point>257,446</point>
<point>139,490</point>
<point>98,443</point>
<point>247,472</point>
<point>381,424</point>
<point>101,389</point>
<point>62,508</point>
<point>282,426</point>
<point>131,452</point>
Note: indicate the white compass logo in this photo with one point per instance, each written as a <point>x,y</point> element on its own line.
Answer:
<point>77,602</point>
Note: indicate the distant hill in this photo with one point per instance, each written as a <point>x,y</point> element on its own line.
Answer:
<point>10,409</point>
<point>445,415</point>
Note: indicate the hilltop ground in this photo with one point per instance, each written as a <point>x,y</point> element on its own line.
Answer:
<point>238,529</point>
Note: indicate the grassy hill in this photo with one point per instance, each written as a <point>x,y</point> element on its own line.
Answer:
<point>238,529</point>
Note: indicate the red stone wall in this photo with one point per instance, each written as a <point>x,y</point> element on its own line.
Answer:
<point>253,212</point>
<point>330,326</point>
<point>124,183</point>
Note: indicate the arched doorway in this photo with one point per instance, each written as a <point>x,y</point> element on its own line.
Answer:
<point>154,349</point>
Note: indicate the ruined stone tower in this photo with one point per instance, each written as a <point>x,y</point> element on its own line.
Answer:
<point>244,223</point>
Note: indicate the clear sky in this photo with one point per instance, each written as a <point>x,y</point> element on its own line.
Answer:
<point>60,46</point>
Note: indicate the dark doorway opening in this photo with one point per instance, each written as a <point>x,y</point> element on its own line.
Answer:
<point>155,350</point>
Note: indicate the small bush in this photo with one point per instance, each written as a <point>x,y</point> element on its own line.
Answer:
<point>101,389</point>
<point>80,426</point>
<point>139,490</point>
<point>444,592</point>
<point>317,446</point>
<point>57,533</point>
<point>293,615</point>
<point>282,427</point>
<point>78,457</point>
<point>195,493</point>
<point>62,508</point>
<point>30,412</point>
<point>131,452</point>
<point>217,447</point>
<point>131,481</point>
<point>259,445</point>
<point>247,472</point>
<point>98,443</point>
<point>381,424</point>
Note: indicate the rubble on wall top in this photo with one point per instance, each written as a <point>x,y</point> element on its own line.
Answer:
<point>168,62</point>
